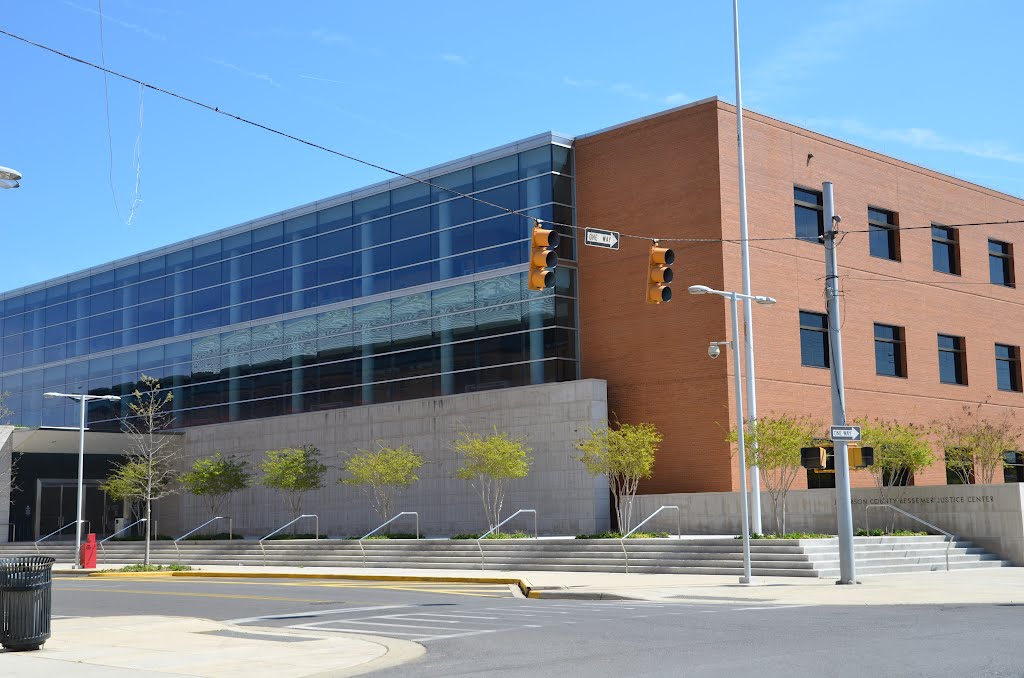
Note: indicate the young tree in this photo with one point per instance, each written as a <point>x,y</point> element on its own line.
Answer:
<point>147,472</point>
<point>778,442</point>
<point>975,446</point>
<point>625,455</point>
<point>488,463</point>
<point>901,450</point>
<point>214,478</point>
<point>293,471</point>
<point>383,474</point>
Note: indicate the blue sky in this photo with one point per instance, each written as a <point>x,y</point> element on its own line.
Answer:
<point>409,85</point>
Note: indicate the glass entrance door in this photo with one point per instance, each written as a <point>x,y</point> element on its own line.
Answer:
<point>55,508</point>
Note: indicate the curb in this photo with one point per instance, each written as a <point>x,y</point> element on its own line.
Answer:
<point>557,594</point>
<point>523,584</point>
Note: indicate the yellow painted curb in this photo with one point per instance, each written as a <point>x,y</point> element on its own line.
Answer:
<point>523,584</point>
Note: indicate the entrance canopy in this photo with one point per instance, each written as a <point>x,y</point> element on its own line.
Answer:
<point>65,440</point>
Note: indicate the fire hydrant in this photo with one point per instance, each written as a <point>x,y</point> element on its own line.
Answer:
<point>87,556</point>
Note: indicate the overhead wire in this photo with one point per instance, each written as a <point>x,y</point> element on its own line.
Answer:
<point>507,210</point>
<point>137,150</point>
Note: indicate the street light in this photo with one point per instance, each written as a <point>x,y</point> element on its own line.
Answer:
<point>751,391</point>
<point>83,399</point>
<point>713,352</point>
<point>9,178</point>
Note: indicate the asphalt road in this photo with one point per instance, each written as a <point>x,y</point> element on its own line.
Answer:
<point>483,629</point>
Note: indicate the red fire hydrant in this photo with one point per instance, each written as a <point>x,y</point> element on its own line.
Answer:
<point>87,557</point>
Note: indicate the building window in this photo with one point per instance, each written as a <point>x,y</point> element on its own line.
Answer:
<point>1008,367</point>
<point>883,236</point>
<point>945,250</point>
<point>1013,467</point>
<point>810,216</point>
<point>952,360</point>
<point>959,467</point>
<point>813,339</point>
<point>1000,263</point>
<point>820,481</point>
<point>890,358</point>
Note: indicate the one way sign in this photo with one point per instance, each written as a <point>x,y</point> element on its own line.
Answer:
<point>599,238</point>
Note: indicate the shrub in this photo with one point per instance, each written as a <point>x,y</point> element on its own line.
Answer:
<point>618,535</point>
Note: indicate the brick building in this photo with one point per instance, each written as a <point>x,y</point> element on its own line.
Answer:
<point>911,292</point>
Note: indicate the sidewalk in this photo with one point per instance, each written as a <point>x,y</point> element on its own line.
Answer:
<point>176,647</point>
<point>985,585</point>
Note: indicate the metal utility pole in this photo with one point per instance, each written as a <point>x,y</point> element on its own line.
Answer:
<point>844,509</point>
<point>748,320</point>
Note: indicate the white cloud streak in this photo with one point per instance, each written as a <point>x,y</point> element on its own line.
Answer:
<point>127,25</point>
<point>250,74</point>
<point>456,59</point>
<point>919,138</point>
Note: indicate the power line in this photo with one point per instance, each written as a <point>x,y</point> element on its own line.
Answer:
<point>347,156</point>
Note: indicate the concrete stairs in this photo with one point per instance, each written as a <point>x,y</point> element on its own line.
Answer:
<point>788,558</point>
<point>893,555</point>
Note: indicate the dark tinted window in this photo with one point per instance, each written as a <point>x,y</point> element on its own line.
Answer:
<point>1000,263</point>
<point>889,354</point>
<point>945,250</point>
<point>810,219</point>
<point>883,237</point>
<point>814,339</point>
<point>1008,377</point>
<point>952,360</point>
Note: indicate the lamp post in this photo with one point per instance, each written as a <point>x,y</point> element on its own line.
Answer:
<point>9,177</point>
<point>83,399</point>
<point>713,352</point>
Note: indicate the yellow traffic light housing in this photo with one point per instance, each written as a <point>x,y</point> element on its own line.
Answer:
<point>543,258</point>
<point>659,274</point>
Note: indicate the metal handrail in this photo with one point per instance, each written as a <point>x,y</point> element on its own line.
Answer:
<point>73,522</point>
<point>479,540</point>
<point>679,534</point>
<point>949,541</point>
<point>14,531</point>
<point>288,524</point>
<point>231,524</point>
<point>379,527</point>
<point>123,529</point>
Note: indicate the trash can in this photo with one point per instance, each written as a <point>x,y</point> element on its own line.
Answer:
<point>25,595</point>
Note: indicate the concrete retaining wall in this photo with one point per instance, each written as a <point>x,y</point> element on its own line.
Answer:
<point>551,417</point>
<point>991,516</point>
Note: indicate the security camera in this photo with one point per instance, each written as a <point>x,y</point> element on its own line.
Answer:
<point>714,351</point>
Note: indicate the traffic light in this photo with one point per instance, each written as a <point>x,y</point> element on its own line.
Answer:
<point>861,457</point>
<point>543,258</point>
<point>817,458</point>
<point>659,274</point>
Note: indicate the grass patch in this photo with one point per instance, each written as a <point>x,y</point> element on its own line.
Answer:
<point>791,535</point>
<point>173,567</point>
<point>396,535</point>
<point>618,535</point>
<point>300,535</point>
<point>493,535</point>
<point>158,537</point>
<point>894,533</point>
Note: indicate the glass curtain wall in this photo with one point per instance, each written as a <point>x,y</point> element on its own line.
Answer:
<point>407,293</point>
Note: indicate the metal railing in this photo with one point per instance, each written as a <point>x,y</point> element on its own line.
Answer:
<point>949,537</point>
<point>480,539</point>
<point>622,539</point>
<point>73,522</point>
<point>385,524</point>
<point>13,530</point>
<point>289,524</point>
<point>123,529</point>
<point>231,524</point>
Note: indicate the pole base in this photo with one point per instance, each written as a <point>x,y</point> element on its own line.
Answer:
<point>840,582</point>
<point>748,580</point>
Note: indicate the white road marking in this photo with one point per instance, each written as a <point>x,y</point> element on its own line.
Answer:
<point>318,613</point>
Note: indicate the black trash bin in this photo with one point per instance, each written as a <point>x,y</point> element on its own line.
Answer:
<point>25,597</point>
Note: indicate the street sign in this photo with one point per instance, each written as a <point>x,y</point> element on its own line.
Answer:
<point>598,238</point>
<point>847,433</point>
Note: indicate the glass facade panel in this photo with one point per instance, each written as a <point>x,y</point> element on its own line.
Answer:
<point>206,319</point>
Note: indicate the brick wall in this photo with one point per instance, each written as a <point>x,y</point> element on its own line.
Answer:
<point>675,175</point>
